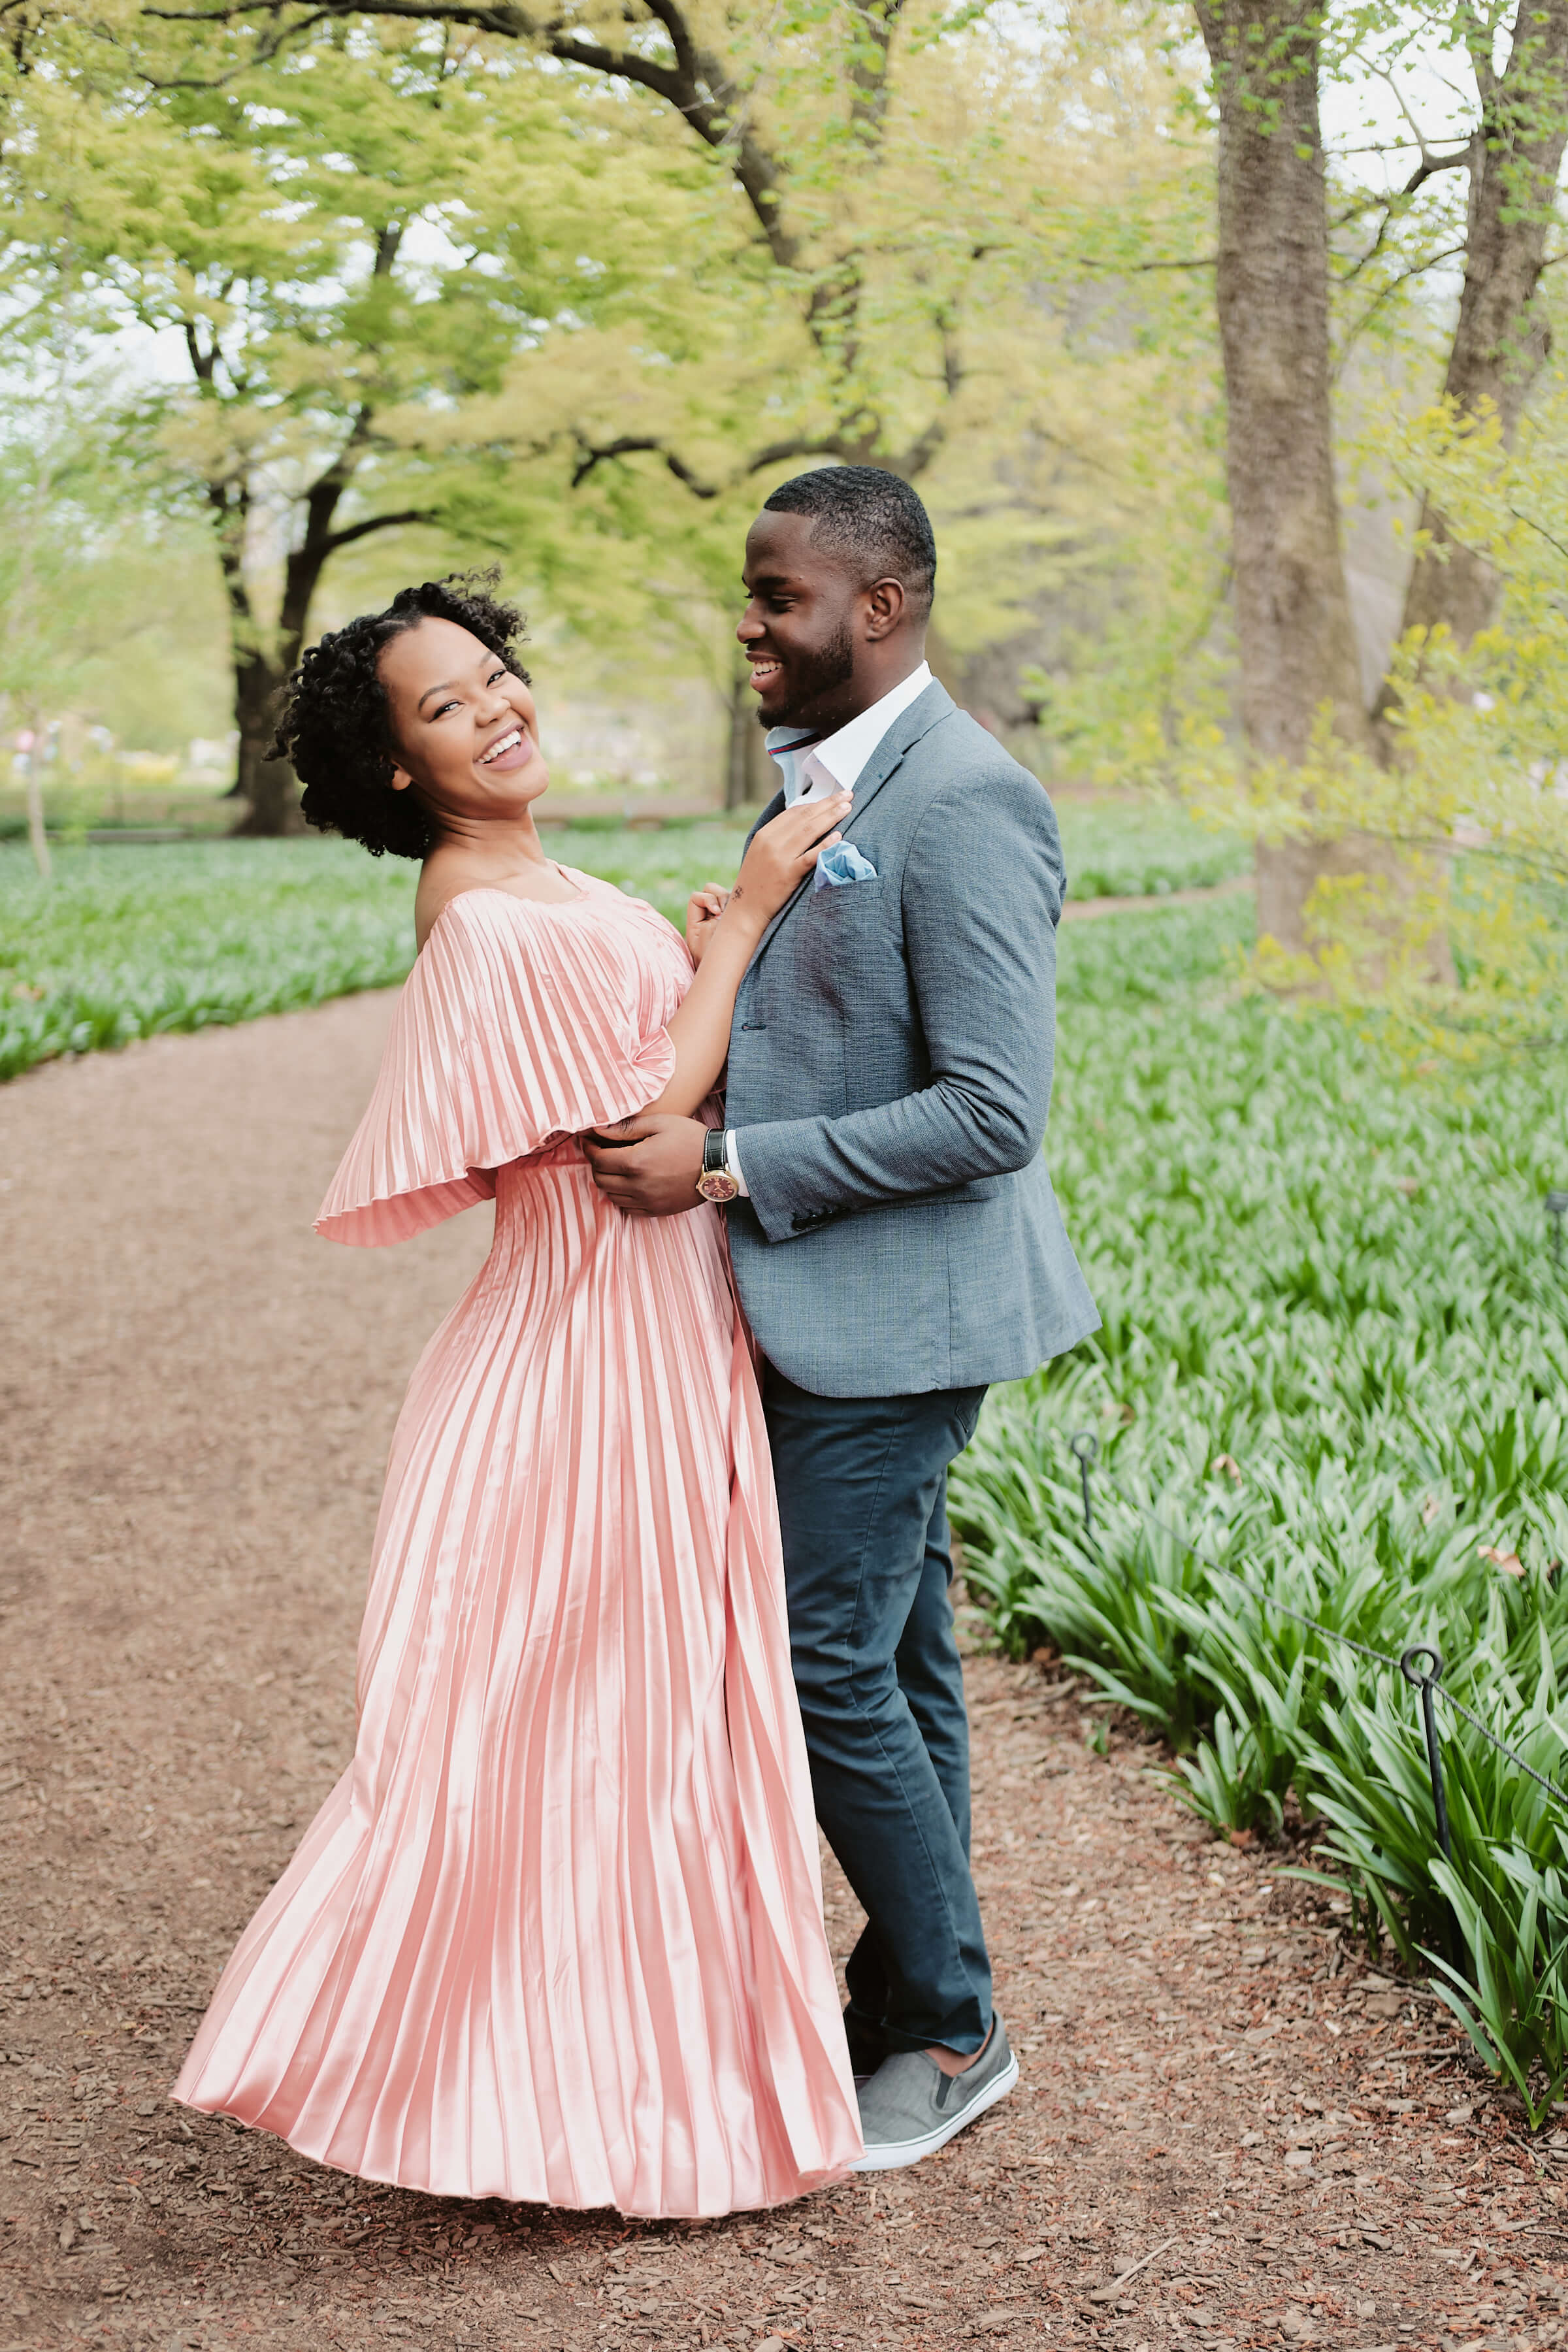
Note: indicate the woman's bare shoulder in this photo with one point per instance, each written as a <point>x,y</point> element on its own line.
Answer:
<point>441,881</point>
<point>436,888</point>
<point>439,890</point>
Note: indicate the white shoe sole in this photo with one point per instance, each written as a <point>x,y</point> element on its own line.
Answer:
<point>904,2152</point>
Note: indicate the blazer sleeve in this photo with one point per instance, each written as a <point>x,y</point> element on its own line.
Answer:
<point>516,1026</point>
<point>982,897</point>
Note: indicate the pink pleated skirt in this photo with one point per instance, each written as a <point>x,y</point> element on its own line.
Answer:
<point>556,1936</point>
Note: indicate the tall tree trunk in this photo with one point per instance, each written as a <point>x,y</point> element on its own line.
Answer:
<point>748,781</point>
<point>268,787</point>
<point>268,790</point>
<point>1296,639</point>
<point>1501,339</point>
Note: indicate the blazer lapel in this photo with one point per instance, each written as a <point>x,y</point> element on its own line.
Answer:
<point>890,755</point>
<point>896,746</point>
<point>776,807</point>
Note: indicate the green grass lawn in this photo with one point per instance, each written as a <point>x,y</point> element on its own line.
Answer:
<point>128,941</point>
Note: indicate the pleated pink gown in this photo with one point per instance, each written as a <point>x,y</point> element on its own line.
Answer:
<point>556,1936</point>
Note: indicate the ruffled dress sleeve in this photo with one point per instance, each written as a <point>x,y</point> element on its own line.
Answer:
<point>518,1025</point>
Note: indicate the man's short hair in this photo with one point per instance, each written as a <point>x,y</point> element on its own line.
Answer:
<point>870,521</point>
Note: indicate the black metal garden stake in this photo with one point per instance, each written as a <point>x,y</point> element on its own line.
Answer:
<point>1086,1448</point>
<point>1424,1682</point>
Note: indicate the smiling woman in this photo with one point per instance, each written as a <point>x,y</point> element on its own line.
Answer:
<point>556,1936</point>
<point>338,724</point>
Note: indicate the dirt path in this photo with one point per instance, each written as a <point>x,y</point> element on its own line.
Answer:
<point>198,1402</point>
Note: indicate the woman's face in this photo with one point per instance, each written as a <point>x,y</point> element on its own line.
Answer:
<point>465,726</point>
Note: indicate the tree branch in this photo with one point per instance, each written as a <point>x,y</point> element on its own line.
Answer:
<point>357,531</point>
<point>1430,165</point>
<point>695,81</point>
<point>1137,268</point>
<point>269,47</point>
<point>698,84</point>
<point>629,446</point>
<point>1417,269</point>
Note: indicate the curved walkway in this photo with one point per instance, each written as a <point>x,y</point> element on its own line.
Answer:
<point>1226,2133</point>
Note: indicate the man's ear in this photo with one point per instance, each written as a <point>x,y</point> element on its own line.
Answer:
<point>885,602</point>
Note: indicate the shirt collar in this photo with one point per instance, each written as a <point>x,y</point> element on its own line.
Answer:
<point>846,753</point>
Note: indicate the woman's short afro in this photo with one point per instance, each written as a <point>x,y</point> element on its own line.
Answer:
<point>336,725</point>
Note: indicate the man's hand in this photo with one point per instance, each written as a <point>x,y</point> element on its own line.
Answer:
<point>649,1165</point>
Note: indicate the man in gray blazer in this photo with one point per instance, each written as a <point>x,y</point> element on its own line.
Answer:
<point>895,1237</point>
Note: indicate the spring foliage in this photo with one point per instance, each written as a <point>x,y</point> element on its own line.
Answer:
<point>1448,928</point>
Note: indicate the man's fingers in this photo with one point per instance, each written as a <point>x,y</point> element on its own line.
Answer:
<point>617,1148</point>
<point>613,1163</point>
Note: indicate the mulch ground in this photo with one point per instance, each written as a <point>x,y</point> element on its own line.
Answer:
<point>1230,2131</point>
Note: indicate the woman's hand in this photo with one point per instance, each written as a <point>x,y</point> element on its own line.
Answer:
<point>781,856</point>
<point>775,867</point>
<point>703,909</point>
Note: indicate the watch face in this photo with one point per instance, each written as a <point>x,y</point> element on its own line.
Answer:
<point>716,1184</point>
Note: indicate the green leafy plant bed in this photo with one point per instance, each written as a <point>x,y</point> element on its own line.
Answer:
<point>1117,851</point>
<point>1333,1360</point>
<point>134,939</point>
<point>128,941</point>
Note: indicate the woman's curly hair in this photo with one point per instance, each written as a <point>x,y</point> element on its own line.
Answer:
<point>336,723</point>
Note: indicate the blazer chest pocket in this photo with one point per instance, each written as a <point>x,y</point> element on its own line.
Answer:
<point>835,900</point>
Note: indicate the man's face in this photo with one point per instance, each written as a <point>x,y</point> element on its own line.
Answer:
<point>800,627</point>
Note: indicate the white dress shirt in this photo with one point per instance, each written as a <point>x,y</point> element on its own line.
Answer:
<point>835,764</point>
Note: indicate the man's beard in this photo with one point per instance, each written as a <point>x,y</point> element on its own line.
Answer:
<point>815,674</point>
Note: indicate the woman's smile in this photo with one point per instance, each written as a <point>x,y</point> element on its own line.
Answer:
<point>511,750</point>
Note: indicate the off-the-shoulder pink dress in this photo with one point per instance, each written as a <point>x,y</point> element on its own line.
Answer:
<point>556,1934</point>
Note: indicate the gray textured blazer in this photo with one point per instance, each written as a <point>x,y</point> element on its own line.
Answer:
<point>890,1077</point>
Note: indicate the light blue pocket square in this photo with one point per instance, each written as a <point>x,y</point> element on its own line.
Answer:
<point>843,863</point>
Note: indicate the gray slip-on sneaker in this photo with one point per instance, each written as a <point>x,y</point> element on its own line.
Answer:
<point>910,2108</point>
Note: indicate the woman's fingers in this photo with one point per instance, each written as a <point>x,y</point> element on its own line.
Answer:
<point>780,855</point>
<point>817,820</point>
<point>821,814</point>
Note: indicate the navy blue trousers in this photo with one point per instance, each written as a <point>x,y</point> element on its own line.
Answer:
<point>862,1488</point>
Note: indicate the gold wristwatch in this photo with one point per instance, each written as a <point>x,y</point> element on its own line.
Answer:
<point>716,1183</point>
